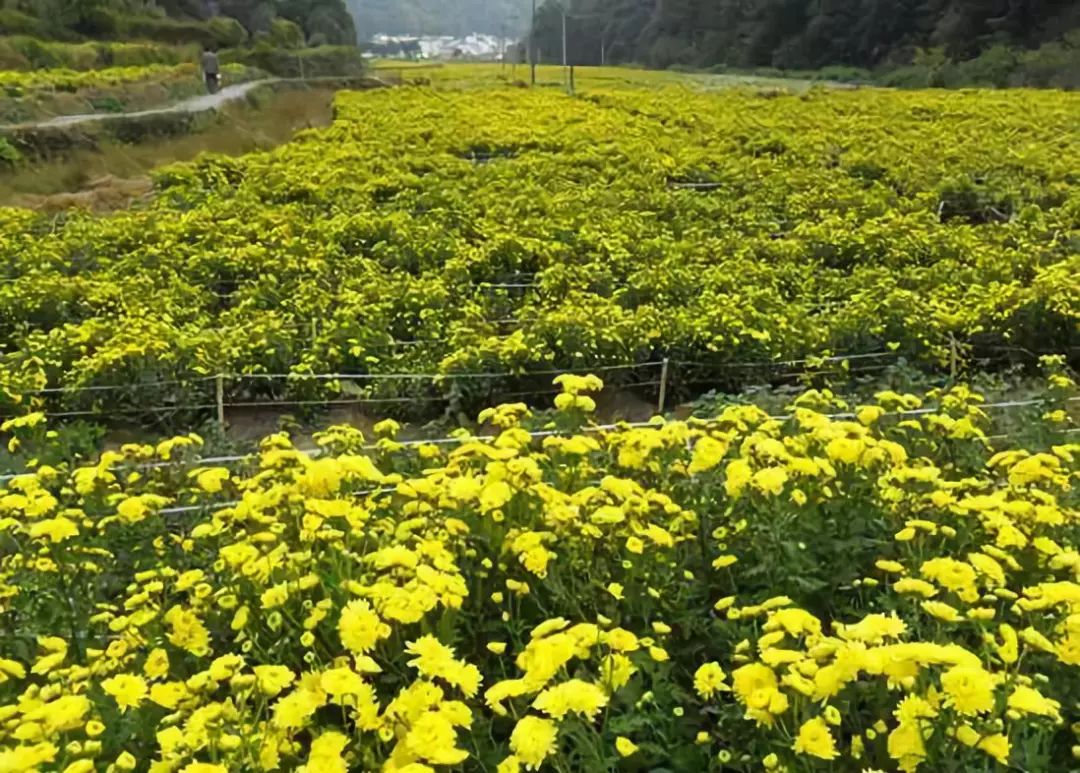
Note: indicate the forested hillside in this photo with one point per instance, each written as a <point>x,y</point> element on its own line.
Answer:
<point>440,17</point>
<point>810,34</point>
<point>218,22</point>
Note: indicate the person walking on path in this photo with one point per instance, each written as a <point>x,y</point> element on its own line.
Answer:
<point>211,70</point>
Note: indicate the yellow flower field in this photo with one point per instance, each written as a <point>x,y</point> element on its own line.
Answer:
<point>502,230</point>
<point>845,587</point>
<point>843,584</point>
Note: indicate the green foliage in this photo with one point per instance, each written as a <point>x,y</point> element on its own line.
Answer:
<point>844,74</point>
<point>974,42</point>
<point>14,22</point>
<point>181,22</point>
<point>908,77</point>
<point>27,53</point>
<point>306,62</point>
<point>9,154</point>
<point>1053,65</point>
<point>42,445</point>
<point>108,104</point>
<point>327,18</point>
<point>227,32</point>
<point>286,34</point>
<point>217,32</point>
<point>993,67</point>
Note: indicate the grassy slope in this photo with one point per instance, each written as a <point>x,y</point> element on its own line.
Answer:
<point>241,128</point>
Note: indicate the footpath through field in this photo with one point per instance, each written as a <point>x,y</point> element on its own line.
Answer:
<point>198,104</point>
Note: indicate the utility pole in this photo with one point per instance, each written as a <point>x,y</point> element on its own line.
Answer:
<point>565,77</point>
<point>514,23</point>
<point>532,45</point>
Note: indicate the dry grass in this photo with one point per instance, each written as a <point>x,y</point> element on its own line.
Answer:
<point>113,175</point>
<point>104,194</point>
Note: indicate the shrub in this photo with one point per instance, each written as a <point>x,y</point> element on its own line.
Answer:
<point>46,143</point>
<point>26,53</point>
<point>768,72</point>
<point>668,51</point>
<point>308,62</point>
<point>40,55</point>
<point>912,76</point>
<point>227,32</point>
<point>14,22</point>
<point>286,34</point>
<point>329,19</point>
<point>164,30</point>
<point>100,22</point>
<point>141,54</point>
<point>1053,65</point>
<point>221,31</point>
<point>992,67</point>
<point>843,74</point>
<point>11,58</point>
<point>82,57</point>
<point>9,154</point>
<point>151,126</point>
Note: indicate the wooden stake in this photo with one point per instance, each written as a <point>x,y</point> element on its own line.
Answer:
<point>221,400</point>
<point>663,387</point>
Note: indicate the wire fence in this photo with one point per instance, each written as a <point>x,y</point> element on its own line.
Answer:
<point>302,376</point>
<point>813,366</point>
<point>815,369</point>
<point>592,429</point>
<point>816,366</point>
<point>450,376</point>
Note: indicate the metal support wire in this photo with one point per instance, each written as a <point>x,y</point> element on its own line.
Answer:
<point>784,363</point>
<point>112,387</point>
<point>438,376</point>
<point>547,433</point>
<point>350,401</point>
<point>140,409</point>
<point>441,376</point>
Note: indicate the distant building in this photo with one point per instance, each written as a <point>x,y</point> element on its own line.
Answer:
<point>474,46</point>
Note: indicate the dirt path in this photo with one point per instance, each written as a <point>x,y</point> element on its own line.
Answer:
<point>112,173</point>
<point>199,104</point>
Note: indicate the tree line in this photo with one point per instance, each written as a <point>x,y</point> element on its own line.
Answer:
<point>224,23</point>
<point>797,34</point>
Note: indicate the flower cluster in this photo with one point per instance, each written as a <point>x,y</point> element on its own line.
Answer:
<point>745,591</point>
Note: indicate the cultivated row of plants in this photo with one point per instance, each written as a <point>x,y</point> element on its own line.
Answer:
<point>500,230</point>
<point>22,52</point>
<point>876,592</point>
<point>16,83</point>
